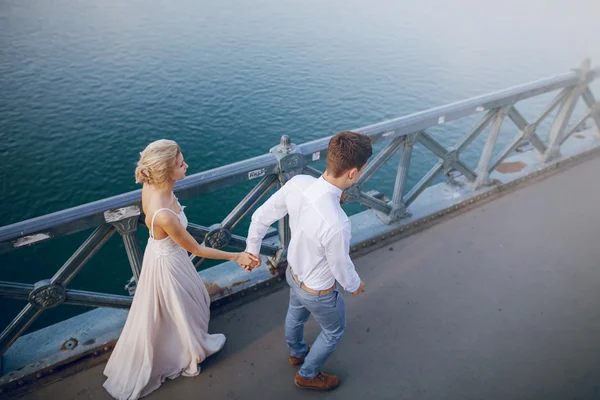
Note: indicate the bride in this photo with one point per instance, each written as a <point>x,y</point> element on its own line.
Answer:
<point>166,333</point>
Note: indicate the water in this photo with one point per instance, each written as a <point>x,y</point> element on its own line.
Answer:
<point>84,86</point>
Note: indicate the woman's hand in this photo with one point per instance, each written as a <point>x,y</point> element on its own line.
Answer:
<point>247,261</point>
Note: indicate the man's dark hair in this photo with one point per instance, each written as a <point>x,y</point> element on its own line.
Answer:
<point>347,150</point>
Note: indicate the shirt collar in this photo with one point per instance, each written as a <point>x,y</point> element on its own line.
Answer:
<point>330,188</point>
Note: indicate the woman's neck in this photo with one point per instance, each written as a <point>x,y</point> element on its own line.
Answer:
<point>163,189</point>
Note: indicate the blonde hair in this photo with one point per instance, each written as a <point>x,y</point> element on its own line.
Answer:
<point>156,162</point>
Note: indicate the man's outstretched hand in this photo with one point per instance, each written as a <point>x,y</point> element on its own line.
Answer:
<point>249,261</point>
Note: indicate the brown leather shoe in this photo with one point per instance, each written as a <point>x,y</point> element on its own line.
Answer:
<point>320,382</point>
<point>296,360</point>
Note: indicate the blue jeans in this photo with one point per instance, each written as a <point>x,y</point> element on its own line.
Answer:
<point>328,310</point>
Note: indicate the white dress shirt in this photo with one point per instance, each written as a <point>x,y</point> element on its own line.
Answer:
<point>320,245</point>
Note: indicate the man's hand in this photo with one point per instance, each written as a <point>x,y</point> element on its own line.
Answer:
<point>258,261</point>
<point>255,261</point>
<point>248,261</point>
<point>360,289</point>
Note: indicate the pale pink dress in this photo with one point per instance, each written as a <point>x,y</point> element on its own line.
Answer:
<point>166,333</point>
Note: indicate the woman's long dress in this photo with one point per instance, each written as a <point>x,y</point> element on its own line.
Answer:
<point>166,333</point>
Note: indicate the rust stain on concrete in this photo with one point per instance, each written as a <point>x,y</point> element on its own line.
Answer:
<point>214,288</point>
<point>511,167</point>
<point>240,283</point>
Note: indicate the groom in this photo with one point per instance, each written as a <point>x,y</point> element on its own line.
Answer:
<point>318,254</point>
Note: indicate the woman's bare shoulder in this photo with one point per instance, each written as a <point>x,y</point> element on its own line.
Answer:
<point>152,203</point>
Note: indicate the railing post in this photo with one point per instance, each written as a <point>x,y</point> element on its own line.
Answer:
<point>594,107</point>
<point>127,227</point>
<point>482,171</point>
<point>564,114</point>
<point>291,162</point>
<point>398,208</point>
<point>595,114</point>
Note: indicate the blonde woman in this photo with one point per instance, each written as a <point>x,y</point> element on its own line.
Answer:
<point>166,333</point>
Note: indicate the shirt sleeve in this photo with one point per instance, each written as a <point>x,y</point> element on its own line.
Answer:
<point>337,252</point>
<point>272,210</point>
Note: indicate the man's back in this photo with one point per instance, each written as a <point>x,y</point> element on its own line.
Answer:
<point>318,254</point>
<point>319,247</point>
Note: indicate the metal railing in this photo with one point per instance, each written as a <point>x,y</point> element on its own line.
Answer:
<point>123,213</point>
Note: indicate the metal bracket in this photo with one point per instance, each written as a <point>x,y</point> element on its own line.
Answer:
<point>351,194</point>
<point>131,285</point>
<point>47,295</point>
<point>218,237</point>
<point>449,161</point>
<point>525,144</point>
<point>452,176</point>
<point>397,212</point>
<point>412,139</point>
<point>448,164</point>
<point>529,131</point>
<point>126,226</point>
<point>273,263</point>
<point>289,158</point>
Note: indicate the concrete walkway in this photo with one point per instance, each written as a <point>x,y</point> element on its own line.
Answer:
<point>502,302</point>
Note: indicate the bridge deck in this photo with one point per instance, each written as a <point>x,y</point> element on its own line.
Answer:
<point>501,302</point>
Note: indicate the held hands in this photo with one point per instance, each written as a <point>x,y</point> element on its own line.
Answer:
<point>360,289</point>
<point>248,261</point>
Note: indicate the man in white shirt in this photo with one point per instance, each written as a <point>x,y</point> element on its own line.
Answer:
<point>318,254</point>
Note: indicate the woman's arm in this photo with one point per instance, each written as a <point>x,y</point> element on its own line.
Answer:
<point>172,226</point>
